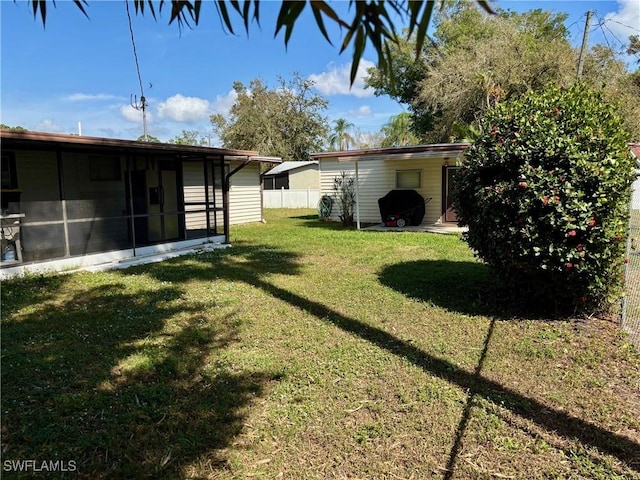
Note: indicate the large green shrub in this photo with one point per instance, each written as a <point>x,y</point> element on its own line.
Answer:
<point>545,193</point>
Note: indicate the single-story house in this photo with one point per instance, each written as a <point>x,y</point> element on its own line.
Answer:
<point>69,201</point>
<point>427,169</point>
<point>292,176</point>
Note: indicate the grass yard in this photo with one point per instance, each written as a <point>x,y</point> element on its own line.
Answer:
<point>309,352</point>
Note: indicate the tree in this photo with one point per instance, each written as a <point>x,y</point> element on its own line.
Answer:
<point>340,138</point>
<point>604,70</point>
<point>473,62</point>
<point>13,129</point>
<point>364,140</point>
<point>544,192</point>
<point>517,54</point>
<point>149,138</point>
<point>372,21</point>
<point>286,121</point>
<point>190,137</point>
<point>634,47</point>
<point>398,131</point>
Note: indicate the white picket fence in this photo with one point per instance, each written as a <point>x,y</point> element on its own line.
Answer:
<point>283,198</point>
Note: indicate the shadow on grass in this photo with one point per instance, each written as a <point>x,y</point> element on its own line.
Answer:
<point>461,277</point>
<point>529,408</point>
<point>313,221</point>
<point>123,380</point>
<point>464,287</point>
<point>117,381</point>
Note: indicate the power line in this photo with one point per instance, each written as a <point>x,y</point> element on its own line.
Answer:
<point>143,101</point>
<point>620,23</point>
<point>135,53</point>
<point>602,24</point>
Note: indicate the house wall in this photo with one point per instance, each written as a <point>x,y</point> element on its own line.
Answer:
<point>377,176</point>
<point>195,192</point>
<point>304,177</point>
<point>245,195</point>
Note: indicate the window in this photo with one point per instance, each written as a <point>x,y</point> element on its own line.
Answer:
<point>103,168</point>
<point>408,178</point>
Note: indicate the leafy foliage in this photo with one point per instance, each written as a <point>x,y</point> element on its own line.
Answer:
<point>286,121</point>
<point>475,61</point>
<point>17,128</point>
<point>148,138</point>
<point>398,131</point>
<point>190,137</point>
<point>545,194</point>
<point>344,189</point>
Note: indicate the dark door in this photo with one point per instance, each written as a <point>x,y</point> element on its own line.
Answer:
<point>449,177</point>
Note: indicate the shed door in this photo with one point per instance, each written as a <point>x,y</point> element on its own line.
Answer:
<point>447,185</point>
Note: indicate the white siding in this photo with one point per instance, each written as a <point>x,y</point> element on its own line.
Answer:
<point>377,176</point>
<point>304,177</point>
<point>194,192</point>
<point>245,196</point>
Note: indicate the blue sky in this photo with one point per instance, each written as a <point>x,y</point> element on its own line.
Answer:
<point>82,70</point>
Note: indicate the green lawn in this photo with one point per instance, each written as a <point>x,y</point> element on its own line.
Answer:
<point>308,351</point>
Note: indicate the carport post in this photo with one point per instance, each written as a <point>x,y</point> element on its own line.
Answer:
<point>357,198</point>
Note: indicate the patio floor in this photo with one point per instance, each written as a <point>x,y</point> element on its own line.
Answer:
<point>448,228</point>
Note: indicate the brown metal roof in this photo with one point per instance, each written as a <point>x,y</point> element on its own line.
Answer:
<point>635,149</point>
<point>41,140</point>
<point>433,148</point>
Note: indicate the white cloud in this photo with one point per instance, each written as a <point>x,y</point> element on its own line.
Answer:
<point>48,125</point>
<point>222,105</point>
<point>626,20</point>
<point>132,115</point>
<point>81,97</point>
<point>335,81</point>
<point>184,109</point>
<point>363,111</point>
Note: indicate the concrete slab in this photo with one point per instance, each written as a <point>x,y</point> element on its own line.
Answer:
<point>445,228</point>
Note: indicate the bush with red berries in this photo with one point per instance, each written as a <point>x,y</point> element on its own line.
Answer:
<point>545,193</point>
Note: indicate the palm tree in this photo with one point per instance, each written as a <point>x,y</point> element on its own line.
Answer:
<point>397,131</point>
<point>340,139</point>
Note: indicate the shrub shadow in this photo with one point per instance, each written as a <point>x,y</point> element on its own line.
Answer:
<point>464,287</point>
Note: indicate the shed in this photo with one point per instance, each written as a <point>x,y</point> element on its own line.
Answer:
<point>292,175</point>
<point>427,169</point>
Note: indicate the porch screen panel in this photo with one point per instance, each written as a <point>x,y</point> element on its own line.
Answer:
<point>96,203</point>
<point>42,230</point>
<point>98,236</point>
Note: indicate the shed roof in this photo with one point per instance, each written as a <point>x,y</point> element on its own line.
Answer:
<point>288,166</point>
<point>635,150</point>
<point>431,149</point>
<point>40,140</point>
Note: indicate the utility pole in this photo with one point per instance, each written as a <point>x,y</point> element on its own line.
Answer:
<point>585,41</point>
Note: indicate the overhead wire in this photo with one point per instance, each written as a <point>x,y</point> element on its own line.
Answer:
<point>602,24</point>
<point>135,53</point>
<point>143,101</point>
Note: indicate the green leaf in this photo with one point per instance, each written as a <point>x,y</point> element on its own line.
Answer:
<point>223,14</point>
<point>289,13</point>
